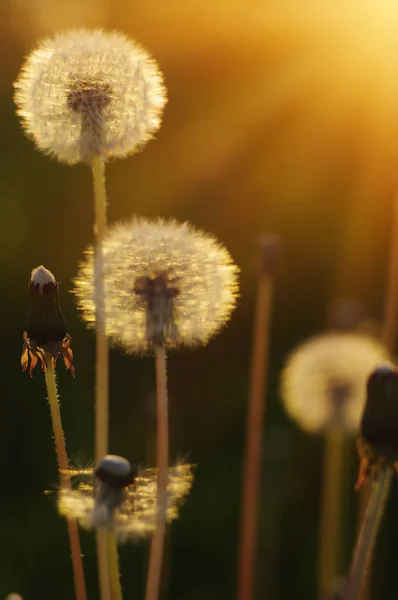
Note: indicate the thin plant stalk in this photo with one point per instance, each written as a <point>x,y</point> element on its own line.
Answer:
<point>389,333</point>
<point>331,510</point>
<point>254,431</point>
<point>102,367</point>
<point>63,467</point>
<point>364,550</point>
<point>162,453</point>
<point>113,563</point>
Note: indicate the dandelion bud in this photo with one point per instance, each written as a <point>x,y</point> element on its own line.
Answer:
<point>323,383</point>
<point>379,426</point>
<point>165,284</point>
<point>46,325</point>
<point>85,93</point>
<point>378,441</point>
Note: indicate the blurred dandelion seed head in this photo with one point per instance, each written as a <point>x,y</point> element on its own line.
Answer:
<point>84,93</point>
<point>165,282</point>
<point>324,381</point>
<point>134,515</point>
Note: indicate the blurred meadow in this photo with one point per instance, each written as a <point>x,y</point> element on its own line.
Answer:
<point>282,117</point>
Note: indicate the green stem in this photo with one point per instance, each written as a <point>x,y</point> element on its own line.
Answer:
<point>162,452</point>
<point>102,366</point>
<point>63,467</point>
<point>331,510</point>
<point>113,565</point>
<point>254,440</point>
<point>365,545</point>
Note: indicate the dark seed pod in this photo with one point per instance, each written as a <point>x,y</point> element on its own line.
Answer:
<point>379,425</point>
<point>115,471</point>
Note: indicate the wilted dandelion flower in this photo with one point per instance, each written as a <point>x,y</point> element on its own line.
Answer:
<point>323,383</point>
<point>46,325</point>
<point>122,499</point>
<point>166,283</point>
<point>85,93</point>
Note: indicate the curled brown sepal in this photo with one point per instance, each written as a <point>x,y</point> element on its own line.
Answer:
<point>32,353</point>
<point>370,462</point>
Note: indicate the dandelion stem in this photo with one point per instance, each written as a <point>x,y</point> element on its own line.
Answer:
<point>388,337</point>
<point>251,485</point>
<point>157,545</point>
<point>102,368</point>
<point>365,545</point>
<point>63,466</point>
<point>113,563</point>
<point>331,509</point>
<point>102,375</point>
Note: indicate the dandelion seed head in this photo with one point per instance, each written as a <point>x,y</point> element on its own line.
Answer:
<point>135,515</point>
<point>324,381</point>
<point>85,93</point>
<point>165,282</point>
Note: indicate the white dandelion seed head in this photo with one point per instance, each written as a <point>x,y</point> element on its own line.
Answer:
<point>330,368</point>
<point>41,276</point>
<point>199,271</point>
<point>136,515</point>
<point>90,92</point>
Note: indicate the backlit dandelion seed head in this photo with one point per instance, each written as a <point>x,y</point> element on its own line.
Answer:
<point>324,381</point>
<point>85,93</point>
<point>165,282</point>
<point>135,516</point>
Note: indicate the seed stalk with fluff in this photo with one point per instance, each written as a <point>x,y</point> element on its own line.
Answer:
<point>166,284</point>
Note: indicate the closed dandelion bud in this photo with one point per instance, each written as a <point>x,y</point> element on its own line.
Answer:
<point>166,283</point>
<point>87,93</point>
<point>378,441</point>
<point>323,383</point>
<point>122,499</point>
<point>46,325</point>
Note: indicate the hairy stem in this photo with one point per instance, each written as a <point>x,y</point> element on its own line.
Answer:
<point>63,467</point>
<point>254,430</point>
<point>113,564</point>
<point>102,368</point>
<point>331,510</point>
<point>365,545</point>
<point>162,452</point>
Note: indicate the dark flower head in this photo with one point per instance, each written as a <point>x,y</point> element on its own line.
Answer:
<point>378,441</point>
<point>46,325</point>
